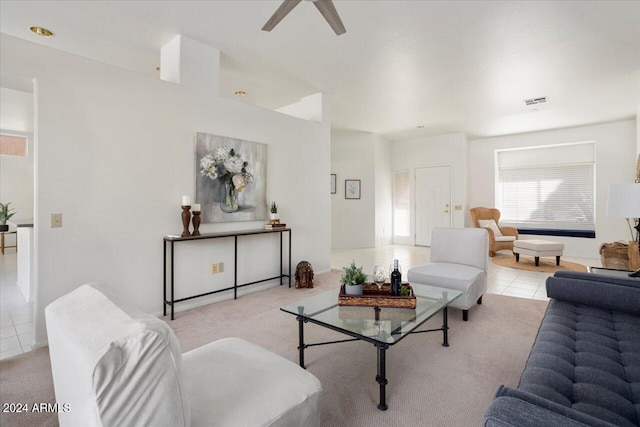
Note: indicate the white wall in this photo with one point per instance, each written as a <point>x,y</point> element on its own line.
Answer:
<point>383,191</point>
<point>114,155</point>
<point>366,222</point>
<point>638,131</point>
<point>16,173</point>
<point>615,163</point>
<point>443,150</point>
<point>353,222</point>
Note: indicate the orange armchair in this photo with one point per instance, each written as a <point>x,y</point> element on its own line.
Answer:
<point>499,237</point>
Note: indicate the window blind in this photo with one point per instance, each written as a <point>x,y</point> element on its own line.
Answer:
<point>551,195</point>
<point>401,211</point>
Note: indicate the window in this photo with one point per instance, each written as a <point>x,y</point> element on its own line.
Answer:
<point>547,187</point>
<point>401,212</point>
<point>13,145</point>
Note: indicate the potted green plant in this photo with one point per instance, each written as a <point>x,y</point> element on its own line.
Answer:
<point>274,211</point>
<point>5,214</point>
<point>353,279</point>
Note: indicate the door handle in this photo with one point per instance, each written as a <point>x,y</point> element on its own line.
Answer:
<point>445,211</point>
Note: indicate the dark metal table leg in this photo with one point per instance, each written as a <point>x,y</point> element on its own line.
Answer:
<point>172,276</point>
<point>164,277</point>
<point>381,378</point>
<point>301,345</point>
<point>289,258</point>
<point>235,267</point>
<point>445,328</point>
<point>280,257</point>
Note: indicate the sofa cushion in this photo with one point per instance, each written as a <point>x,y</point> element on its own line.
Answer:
<point>261,387</point>
<point>613,293</point>
<point>588,359</point>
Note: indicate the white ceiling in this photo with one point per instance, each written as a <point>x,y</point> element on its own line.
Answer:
<point>455,66</point>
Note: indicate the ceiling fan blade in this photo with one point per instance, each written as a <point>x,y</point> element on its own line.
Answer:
<point>328,10</point>
<point>283,10</point>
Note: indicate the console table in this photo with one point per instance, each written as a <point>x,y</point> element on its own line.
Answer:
<point>172,240</point>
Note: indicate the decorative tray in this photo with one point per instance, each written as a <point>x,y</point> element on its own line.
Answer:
<point>372,297</point>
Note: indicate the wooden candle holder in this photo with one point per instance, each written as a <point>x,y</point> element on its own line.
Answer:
<point>196,223</point>
<point>186,218</point>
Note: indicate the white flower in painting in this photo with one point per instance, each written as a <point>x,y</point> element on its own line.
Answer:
<point>238,182</point>
<point>234,164</point>
<point>241,180</point>
<point>222,153</point>
<point>208,167</point>
<point>227,166</point>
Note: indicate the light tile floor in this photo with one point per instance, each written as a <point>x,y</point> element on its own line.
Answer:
<point>502,280</point>
<point>16,315</point>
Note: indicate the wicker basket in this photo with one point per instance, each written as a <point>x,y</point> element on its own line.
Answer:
<point>371,297</point>
<point>615,255</point>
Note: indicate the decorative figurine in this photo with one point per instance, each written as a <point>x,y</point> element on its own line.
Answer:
<point>304,275</point>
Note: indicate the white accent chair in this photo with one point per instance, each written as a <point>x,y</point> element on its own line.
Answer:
<point>459,260</point>
<point>117,366</point>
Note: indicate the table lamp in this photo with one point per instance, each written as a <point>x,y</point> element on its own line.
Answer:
<point>624,202</point>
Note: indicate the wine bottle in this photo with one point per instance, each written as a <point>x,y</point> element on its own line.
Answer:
<point>396,279</point>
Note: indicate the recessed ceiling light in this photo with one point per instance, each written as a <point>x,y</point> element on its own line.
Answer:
<point>240,93</point>
<point>42,31</point>
<point>420,126</point>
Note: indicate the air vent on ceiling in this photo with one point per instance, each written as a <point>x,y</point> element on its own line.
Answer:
<point>534,101</point>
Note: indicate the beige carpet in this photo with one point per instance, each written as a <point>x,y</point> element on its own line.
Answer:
<point>528,263</point>
<point>428,384</point>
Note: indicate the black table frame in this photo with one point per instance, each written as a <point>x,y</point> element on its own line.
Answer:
<point>381,377</point>
<point>171,240</point>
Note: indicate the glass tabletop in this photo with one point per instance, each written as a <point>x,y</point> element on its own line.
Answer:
<point>391,325</point>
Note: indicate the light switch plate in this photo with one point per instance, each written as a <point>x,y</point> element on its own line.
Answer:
<point>56,220</point>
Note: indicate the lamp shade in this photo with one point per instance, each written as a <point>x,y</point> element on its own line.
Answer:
<point>624,201</point>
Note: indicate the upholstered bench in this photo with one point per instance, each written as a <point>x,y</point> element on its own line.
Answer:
<point>117,366</point>
<point>538,248</point>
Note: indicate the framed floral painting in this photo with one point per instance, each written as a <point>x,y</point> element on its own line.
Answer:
<point>231,179</point>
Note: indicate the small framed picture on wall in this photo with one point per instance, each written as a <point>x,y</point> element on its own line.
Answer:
<point>351,188</point>
<point>333,183</point>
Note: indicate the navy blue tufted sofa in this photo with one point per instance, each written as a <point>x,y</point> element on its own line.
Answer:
<point>584,366</point>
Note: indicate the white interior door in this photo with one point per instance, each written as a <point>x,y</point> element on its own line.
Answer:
<point>433,201</point>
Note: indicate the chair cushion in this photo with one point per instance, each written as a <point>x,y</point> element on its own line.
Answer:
<point>539,245</point>
<point>470,280</point>
<point>505,239</point>
<point>466,246</point>
<point>250,386</point>
<point>490,223</point>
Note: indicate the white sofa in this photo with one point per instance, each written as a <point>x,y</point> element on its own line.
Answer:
<point>117,366</point>
<point>459,261</point>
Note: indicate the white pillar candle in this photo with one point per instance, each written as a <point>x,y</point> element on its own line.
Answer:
<point>196,207</point>
<point>186,201</point>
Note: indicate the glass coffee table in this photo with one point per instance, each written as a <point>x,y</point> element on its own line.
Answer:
<point>382,327</point>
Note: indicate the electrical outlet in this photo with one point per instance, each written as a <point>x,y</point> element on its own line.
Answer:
<point>214,268</point>
<point>221,267</point>
<point>56,220</point>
